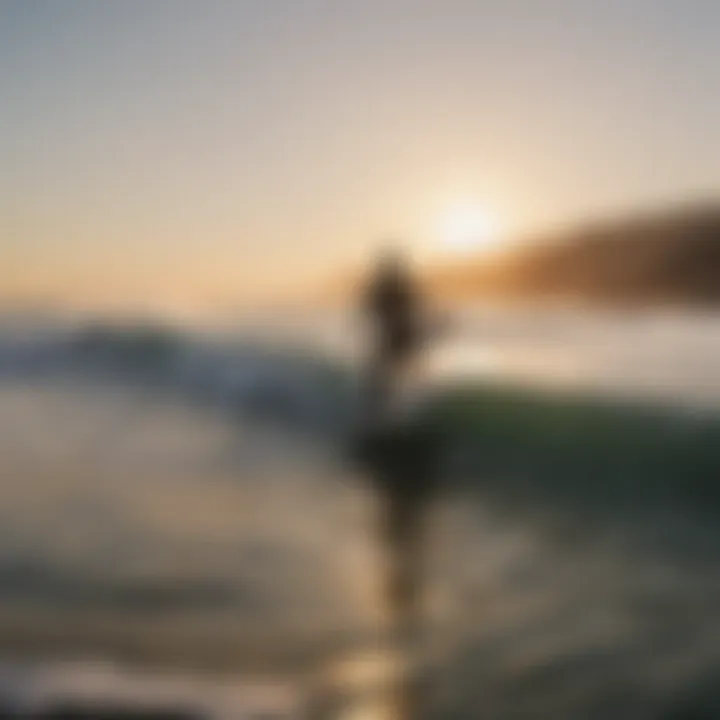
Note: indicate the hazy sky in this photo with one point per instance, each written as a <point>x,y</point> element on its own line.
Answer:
<point>170,149</point>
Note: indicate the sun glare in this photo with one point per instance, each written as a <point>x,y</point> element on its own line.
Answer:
<point>467,229</point>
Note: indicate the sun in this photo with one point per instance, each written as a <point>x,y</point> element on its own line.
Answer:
<point>467,229</point>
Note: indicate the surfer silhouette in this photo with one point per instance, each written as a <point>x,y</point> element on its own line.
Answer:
<point>393,306</point>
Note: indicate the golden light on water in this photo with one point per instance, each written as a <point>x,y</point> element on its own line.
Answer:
<point>368,682</point>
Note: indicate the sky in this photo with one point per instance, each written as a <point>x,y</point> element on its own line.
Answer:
<point>180,151</point>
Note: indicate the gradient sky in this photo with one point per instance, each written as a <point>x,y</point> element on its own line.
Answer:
<point>183,150</point>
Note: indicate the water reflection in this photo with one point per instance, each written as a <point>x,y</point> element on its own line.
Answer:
<point>649,354</point>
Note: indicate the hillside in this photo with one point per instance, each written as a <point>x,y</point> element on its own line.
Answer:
<point>671,257</point>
